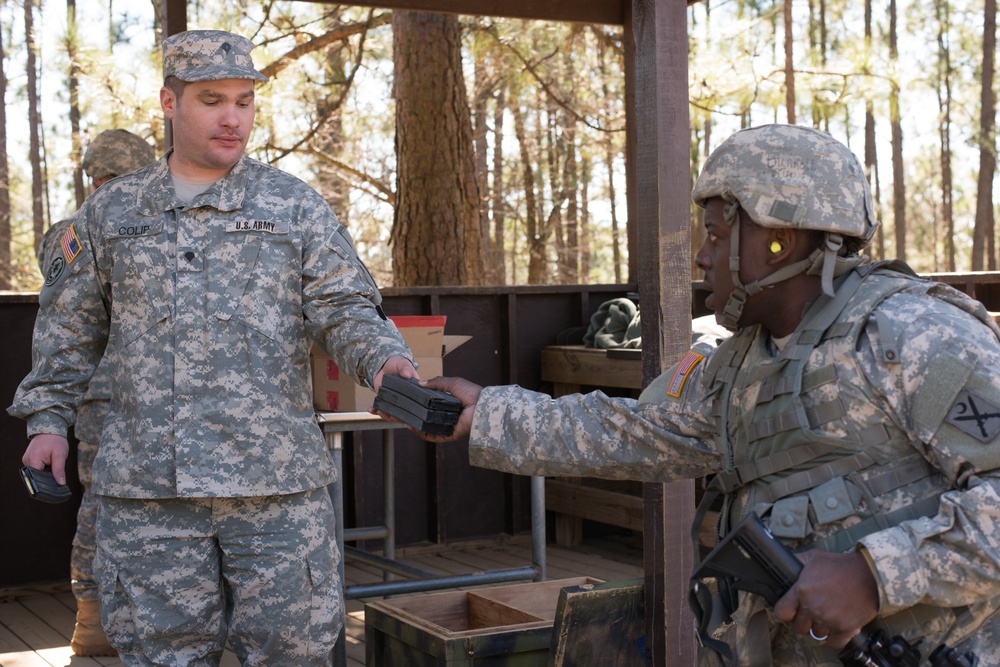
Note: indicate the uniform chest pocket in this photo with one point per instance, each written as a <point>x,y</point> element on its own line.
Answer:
<point>253,287</point>
<point>140,283</point>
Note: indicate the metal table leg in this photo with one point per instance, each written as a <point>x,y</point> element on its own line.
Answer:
<point>538,525</point>
<point>335,441</point>
<point>334,425</point>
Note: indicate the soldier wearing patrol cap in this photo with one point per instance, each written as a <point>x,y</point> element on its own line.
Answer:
<point>204,279</point>
<point>111,153</point>
<point>856,409</point>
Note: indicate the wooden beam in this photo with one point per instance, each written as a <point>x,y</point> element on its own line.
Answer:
<point>611,507</point>
<point>576,11</point>
<point>174,16</point>
<point>662,157</point>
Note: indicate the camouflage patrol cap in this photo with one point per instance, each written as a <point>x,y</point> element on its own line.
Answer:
<point>790,176</point>
<point>208,55</point>
<point>116,152</point>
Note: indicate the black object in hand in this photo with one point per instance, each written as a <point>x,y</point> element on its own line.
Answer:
<point>42,486</point>
<point>428,410</point>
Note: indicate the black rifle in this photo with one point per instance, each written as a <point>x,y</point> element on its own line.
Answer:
<point>754,561</point>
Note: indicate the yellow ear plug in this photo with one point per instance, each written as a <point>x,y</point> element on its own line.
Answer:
<point>775,247</point>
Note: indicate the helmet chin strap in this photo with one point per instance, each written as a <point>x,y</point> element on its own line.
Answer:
<point>729,316</point>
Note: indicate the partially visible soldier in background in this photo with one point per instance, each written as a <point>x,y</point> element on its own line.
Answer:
<point>111,154</point>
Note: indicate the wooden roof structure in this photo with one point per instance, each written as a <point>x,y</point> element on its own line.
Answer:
<point>658,192</point>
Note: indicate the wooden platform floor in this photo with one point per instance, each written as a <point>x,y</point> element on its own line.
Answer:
<point>36,623</point>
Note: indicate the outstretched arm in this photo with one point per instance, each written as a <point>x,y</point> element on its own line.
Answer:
<point>465,391</point>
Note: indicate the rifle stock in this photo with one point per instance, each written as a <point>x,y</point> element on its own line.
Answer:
<point>756,562</point>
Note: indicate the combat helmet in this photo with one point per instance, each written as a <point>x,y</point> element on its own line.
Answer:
<point>793,177</point>
<point>116,152</point>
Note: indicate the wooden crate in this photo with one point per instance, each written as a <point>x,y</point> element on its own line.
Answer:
<point>600,624</point>
<point>503,626</point>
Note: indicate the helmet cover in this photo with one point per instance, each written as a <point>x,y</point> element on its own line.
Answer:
<point>791,176</point>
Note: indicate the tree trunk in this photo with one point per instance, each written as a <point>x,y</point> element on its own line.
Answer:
<point>6,255</point>
<point>871,154</point>
<point>34,121</point>
<point>586,237</point>
<point>987,147</point>
<point>616,241</point>
<point>944,128</point>
<point>554,156</point>
<point>436,238</point>
<point>72,85</point>
<point>499,273</point>
<point>609,162</point>
<point>898,182</point>
<point>571,222</point>
<point>483,92</point>
<point>821,110</point>
<point>532,229</point>
<point>330,136</point>
<point>789,66</point>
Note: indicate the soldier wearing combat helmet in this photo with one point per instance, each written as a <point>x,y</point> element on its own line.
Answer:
<point>111,153</point>
<point>205,278</point>
<point>115,152</point>
<point>855,409</point>
<point>795,178</point>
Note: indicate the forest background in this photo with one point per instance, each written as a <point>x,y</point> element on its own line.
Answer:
<point>472,150</point>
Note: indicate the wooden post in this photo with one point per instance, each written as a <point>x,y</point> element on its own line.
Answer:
<point>174,14</point>
<point>659,146</point>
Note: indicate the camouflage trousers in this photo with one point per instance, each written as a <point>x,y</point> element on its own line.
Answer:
<point>81,563</point>
<point>178,577</point>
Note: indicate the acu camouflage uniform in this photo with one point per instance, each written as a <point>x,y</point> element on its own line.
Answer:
<point>111,153</point>
<point>211,456</point>
<point>875,425</point>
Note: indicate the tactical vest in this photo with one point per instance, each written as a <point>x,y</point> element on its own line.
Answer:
<point>805,445</point>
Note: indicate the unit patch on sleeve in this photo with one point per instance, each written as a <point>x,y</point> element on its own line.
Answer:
<point>681,373</point>
<point>975,415</point>
<point>55,270</point>
<point>70,245</point>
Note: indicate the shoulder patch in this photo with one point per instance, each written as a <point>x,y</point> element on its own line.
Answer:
<point>55,270</point>
<point>70,245</point>
<point>975,416</point>
<point>680,376</point>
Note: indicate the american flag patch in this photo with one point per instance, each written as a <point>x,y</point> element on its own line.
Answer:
<point>681,373</point>
<point>70,244</point>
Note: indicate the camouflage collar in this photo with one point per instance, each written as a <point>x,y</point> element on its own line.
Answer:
<point>156,193</point>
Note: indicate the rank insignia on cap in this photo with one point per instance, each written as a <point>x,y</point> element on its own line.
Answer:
<point>975,415</point>
<point>681,373</point>
<point>70,245</point>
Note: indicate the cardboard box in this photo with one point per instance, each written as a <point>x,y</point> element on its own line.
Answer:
<point>504,625</point>
<point>334,391</point>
